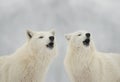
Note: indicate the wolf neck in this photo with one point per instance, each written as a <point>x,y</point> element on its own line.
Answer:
<point>36,62</point>
<point>81,55</point>
<point>28,51</point>
<point>81,63</point>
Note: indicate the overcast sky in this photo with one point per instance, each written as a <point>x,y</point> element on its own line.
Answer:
<point>100,17</point>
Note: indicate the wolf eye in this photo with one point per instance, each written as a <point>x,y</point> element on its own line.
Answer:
<point>41,37</point>
<point>79,34</point>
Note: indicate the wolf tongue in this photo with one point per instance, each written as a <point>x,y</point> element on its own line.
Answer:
<point>50,45</point>
<point>86,42</point>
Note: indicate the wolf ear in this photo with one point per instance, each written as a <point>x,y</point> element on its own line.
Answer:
<point>29,34</point>
<point>52,31</point>
<point>68,36</point>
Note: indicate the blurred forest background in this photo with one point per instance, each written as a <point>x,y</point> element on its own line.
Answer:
<point>100,17</point>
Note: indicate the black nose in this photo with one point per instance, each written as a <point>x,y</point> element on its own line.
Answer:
<point>51,38</point>
<point>88,35</point>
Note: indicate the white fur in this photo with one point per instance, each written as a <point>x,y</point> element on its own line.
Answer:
<point>86,64</point>
<point>30,62</point>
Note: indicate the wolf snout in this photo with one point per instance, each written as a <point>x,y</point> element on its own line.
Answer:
<point>51,38</point>
<point>87,35</point>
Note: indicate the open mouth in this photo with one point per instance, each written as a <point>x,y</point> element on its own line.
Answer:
<point>86,42</point>
<point>50,45</point>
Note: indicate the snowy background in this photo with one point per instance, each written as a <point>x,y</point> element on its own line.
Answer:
<point>101,17</point>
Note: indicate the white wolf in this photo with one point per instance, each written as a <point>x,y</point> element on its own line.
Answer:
<point>30,62</point>
<point>84,63</point>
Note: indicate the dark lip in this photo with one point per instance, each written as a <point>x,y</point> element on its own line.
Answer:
<point>86,42</point>
<point>50,45</point>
